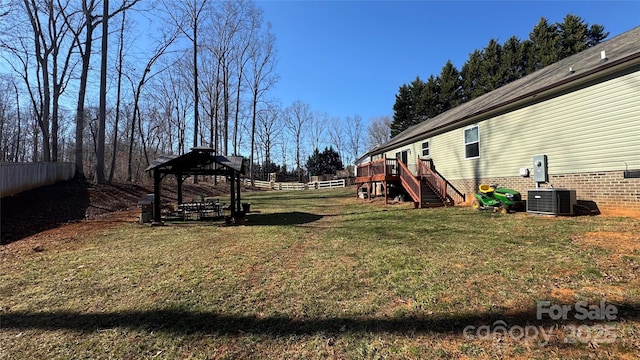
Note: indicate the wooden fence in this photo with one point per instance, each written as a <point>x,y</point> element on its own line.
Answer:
<point>316,185</point>
<point>18,177</point>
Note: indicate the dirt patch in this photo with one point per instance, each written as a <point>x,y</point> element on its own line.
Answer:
<point>396,306</point>
<point>67,236</point>
<point>563,295</point>
<point>619,243</point>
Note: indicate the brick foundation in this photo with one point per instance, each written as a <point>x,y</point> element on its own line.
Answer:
<point>611,192</point>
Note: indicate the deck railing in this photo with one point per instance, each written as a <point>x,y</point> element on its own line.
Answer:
<point>410,182</point>
<point>377,167</point>
<point>425,170</point>
<point>443,188</point>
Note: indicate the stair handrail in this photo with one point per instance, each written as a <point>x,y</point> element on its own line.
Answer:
<point>435,182</point>
<point>410,182</point>
<point>439,184</point>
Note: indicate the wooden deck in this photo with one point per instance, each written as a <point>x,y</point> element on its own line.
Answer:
<point>376,178</point>
<point>427,188</point>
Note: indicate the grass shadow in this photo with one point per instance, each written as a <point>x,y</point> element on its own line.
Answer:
<point>284,218</point>
<point>180,322</point>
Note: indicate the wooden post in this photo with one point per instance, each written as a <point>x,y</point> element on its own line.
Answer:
<point>157,216</point>
<point>384,181</point>
<point>233,193</point>
<point>238,190</point>
<point>179,179</point>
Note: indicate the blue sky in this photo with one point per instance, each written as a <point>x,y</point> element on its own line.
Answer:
<point>350,57</point>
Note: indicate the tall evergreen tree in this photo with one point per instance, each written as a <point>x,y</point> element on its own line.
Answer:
<point>403,110</point>
<point>450,86</point>
<point>408,109</point>
<point>573,33</point>
<point>491,77</point>
<point>325,162</point>
<point>596,34</point>
<point>470,73</point>
<point>430,99</point>
<point>546,43</point>
<point>528,54</point>
<point>512,61</point>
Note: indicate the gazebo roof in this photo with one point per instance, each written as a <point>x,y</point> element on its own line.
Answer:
<point>199,161</point>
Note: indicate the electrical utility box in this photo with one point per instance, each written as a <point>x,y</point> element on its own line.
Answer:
<point>540,169</point>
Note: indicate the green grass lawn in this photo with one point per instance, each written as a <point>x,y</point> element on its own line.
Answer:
<point>321,274</point>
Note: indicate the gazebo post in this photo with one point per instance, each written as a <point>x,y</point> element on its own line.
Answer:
<point>238,190</point>
<point>233,193</point>
<point>157,217</point>
<point>180,180</point>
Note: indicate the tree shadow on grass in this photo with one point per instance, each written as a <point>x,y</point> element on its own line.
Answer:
<point>283,218</point>
<point>179,322</point>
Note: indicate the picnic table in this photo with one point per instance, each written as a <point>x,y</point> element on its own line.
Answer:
<point>208,207</point>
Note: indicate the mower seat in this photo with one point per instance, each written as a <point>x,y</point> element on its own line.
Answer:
<point>484,188</point>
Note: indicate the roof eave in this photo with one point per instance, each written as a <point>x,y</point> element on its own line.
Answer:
<point>601,71</point>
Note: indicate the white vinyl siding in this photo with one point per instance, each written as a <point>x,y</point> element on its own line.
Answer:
<point>592,129</point>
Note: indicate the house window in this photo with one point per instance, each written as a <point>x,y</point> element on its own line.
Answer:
<point>425,149</point>
<point>471,143</point>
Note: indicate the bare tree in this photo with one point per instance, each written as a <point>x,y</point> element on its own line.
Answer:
<point>146,75</point>
<point>118,97</point>
<point>379,131</point>
<point>317,129</point>
<point>211,97</point>
<point>337,136</point>
<point>89,24</point>
<point>247,35</point>
<point>43,49</point>
<point>221,44</point>
<point>103,93</point>
<point>355,132</point>
<point>7,119</point>
<point>5,9</point>
<point>268,130</point>
<point>260,80</point>
<point>18,58</point>
<point>171,95</point>
<point>297,117</point>
<point>48,34</point>
<point>188,17</point>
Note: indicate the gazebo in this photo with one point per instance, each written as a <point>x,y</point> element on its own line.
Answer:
<point>199,161</point>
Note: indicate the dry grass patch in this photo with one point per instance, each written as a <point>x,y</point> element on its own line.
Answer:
<point>312,275</point>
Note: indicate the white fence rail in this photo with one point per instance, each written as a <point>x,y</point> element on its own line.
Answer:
<point>329,184</point>
<point>316,185</point>
<point>18,177</point>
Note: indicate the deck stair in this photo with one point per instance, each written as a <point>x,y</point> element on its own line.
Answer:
<point>427,189</point>
<point>429,197</point>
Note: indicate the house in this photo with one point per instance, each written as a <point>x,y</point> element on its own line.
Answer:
<point>583,112</point>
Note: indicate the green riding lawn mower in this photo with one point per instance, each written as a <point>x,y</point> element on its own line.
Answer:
<point>498,199</point>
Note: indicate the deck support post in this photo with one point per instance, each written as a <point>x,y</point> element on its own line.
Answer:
<point>384,182</point>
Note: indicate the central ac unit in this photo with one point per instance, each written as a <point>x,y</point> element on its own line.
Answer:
<point>551,201</point>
